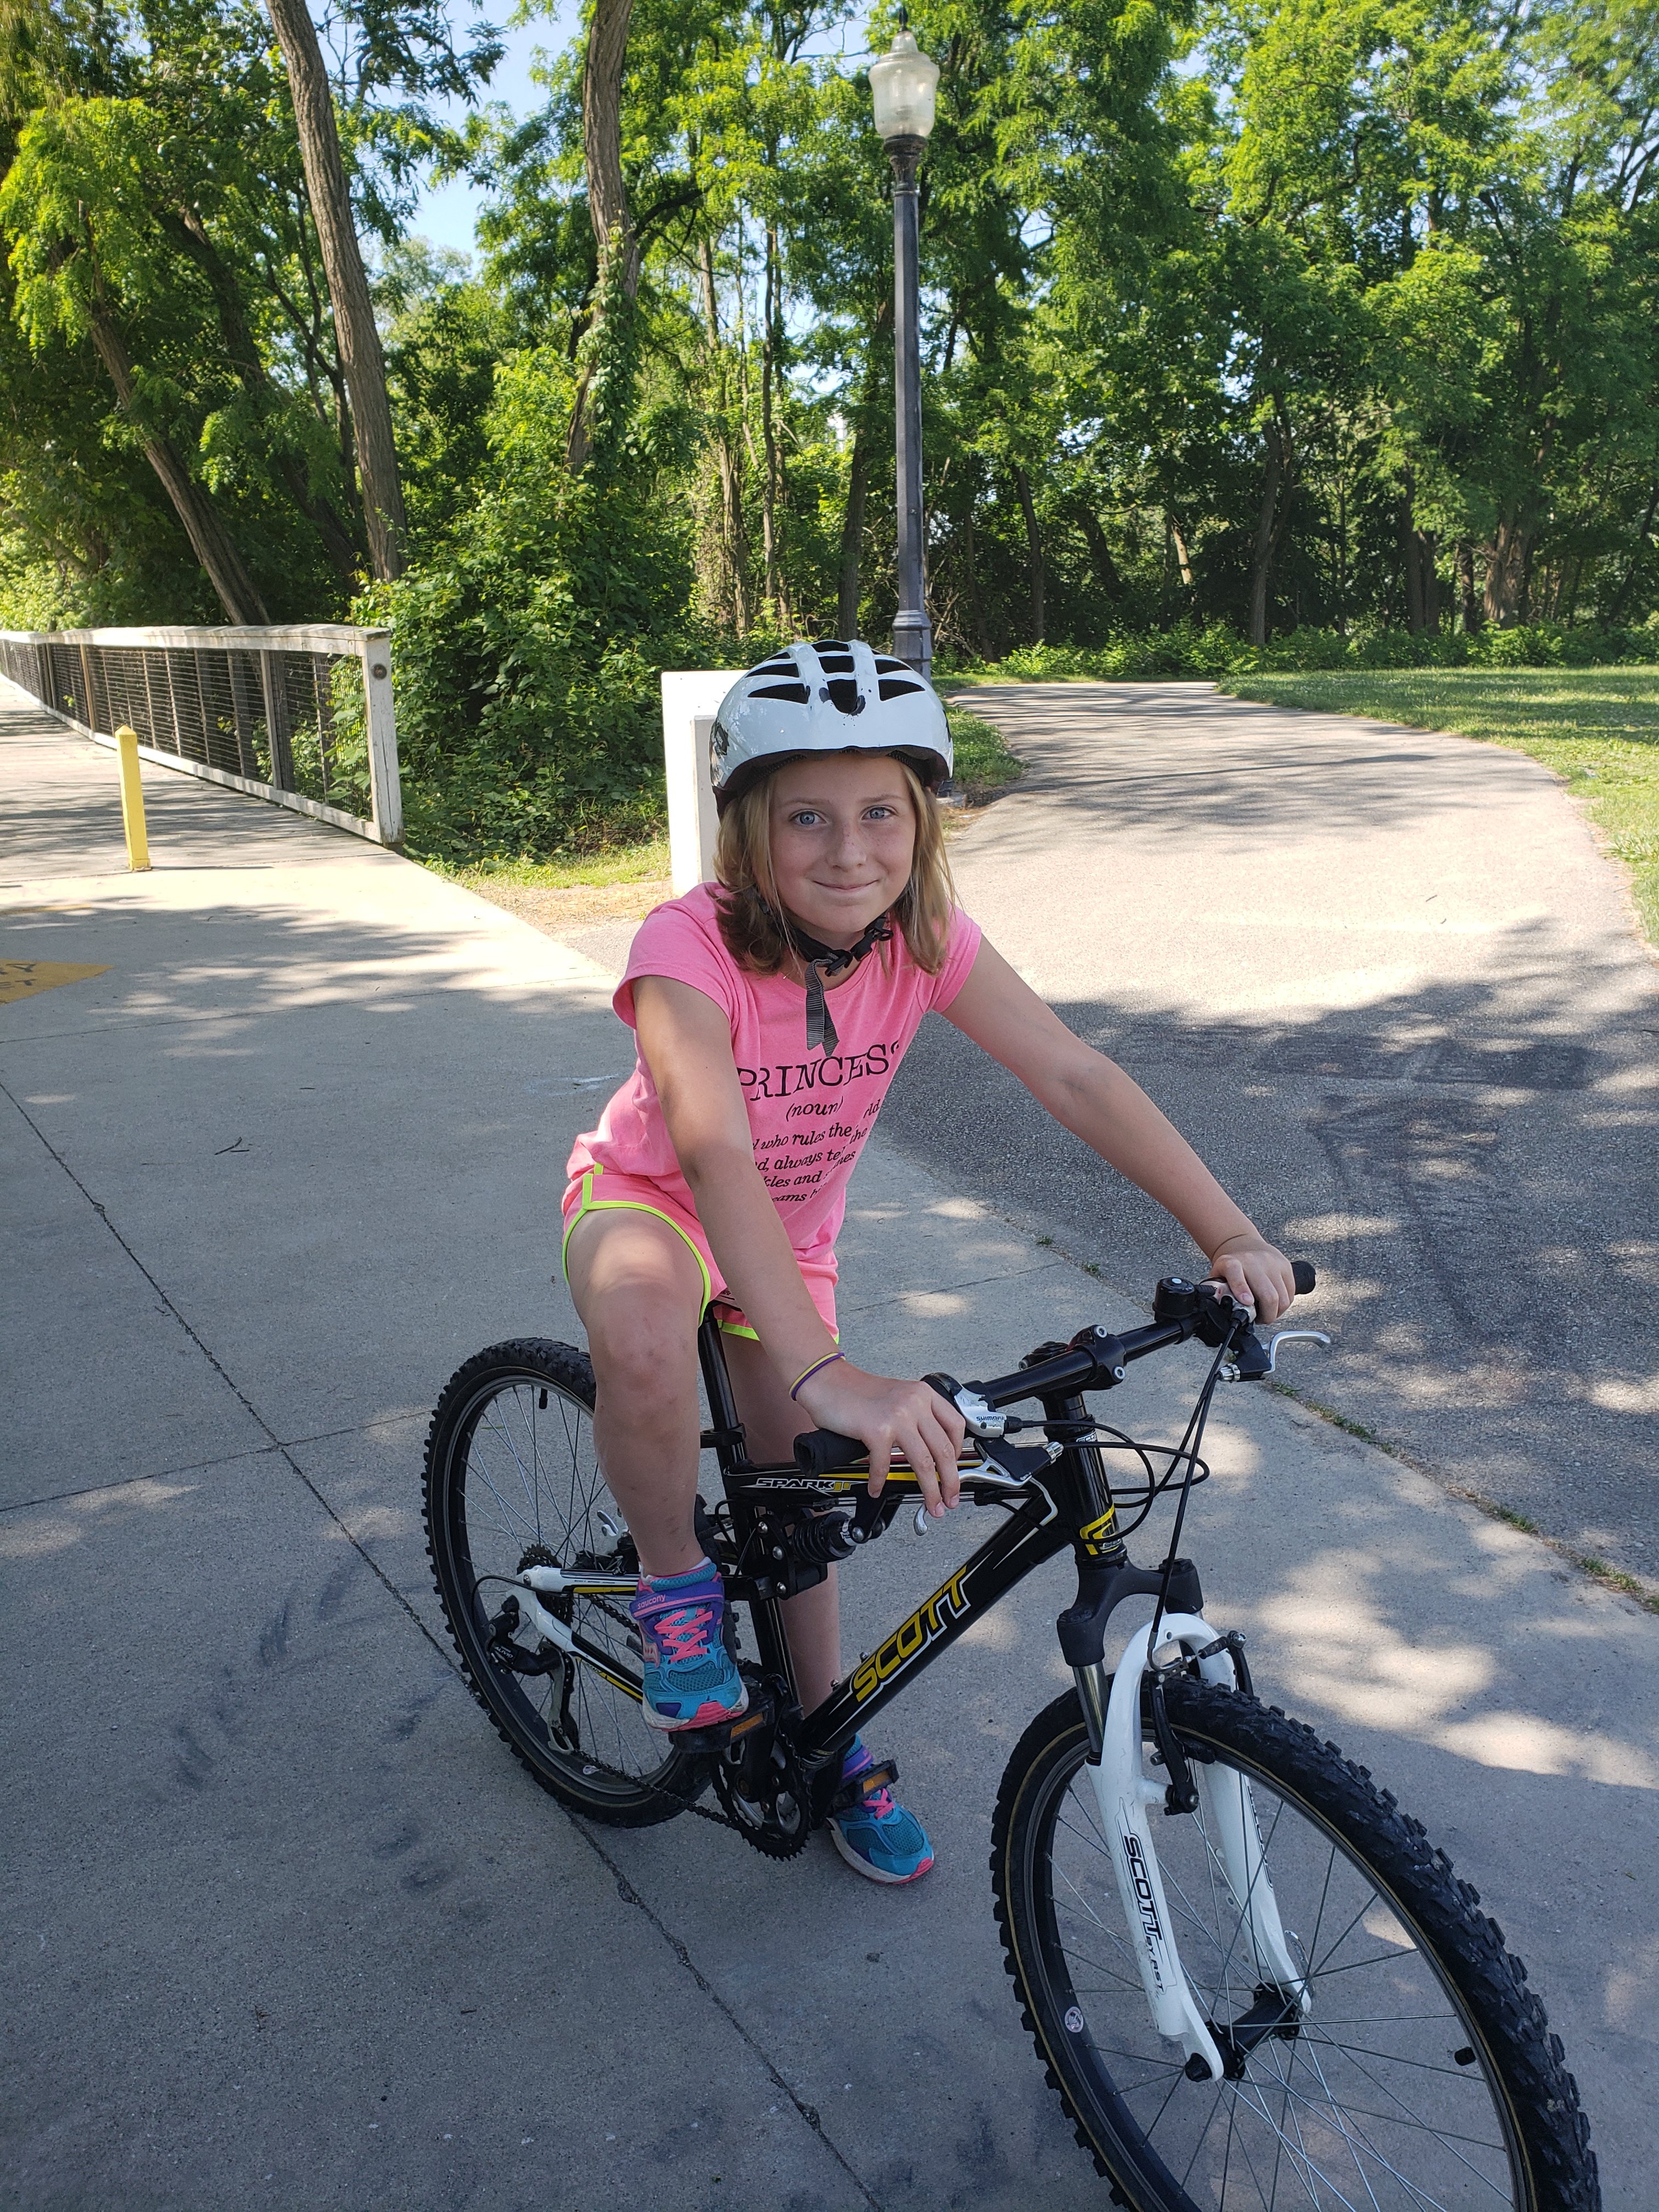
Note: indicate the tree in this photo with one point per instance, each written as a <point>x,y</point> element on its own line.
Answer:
<point>361,358</point>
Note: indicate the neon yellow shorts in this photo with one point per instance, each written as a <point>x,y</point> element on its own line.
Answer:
<point>632,1194</point>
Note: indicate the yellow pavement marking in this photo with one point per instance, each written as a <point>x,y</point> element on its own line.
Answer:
<point>23,979</point>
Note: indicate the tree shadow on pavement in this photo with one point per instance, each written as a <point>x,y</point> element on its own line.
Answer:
<point>1472,1174</point>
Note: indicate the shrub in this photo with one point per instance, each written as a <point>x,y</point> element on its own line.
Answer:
<point>528,640</point>
<point>1219,651</point>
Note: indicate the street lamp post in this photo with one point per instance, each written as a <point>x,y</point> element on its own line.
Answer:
<point>903,85</point>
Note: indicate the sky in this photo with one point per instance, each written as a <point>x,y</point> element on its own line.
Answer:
<point>446,213</point>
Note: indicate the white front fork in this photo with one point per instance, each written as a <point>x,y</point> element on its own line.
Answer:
<point>1126,1793</point>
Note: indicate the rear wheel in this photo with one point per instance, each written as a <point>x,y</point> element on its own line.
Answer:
<point>1421,2078</point>
<point>512,1480</point>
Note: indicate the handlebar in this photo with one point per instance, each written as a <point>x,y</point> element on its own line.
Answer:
<point>1095,1360</point>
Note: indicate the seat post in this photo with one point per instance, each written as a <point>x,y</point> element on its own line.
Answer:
<point>725,1435</point>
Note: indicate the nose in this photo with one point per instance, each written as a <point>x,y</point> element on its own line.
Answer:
<point>846,845</point>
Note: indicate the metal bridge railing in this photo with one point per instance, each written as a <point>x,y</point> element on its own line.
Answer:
<point>302,716</point>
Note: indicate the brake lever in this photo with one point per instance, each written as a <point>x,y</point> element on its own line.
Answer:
<point>1293,1336</point>
<point>1254,1361</point>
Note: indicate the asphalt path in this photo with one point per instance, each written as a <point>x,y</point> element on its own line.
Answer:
<point>1388,985</point>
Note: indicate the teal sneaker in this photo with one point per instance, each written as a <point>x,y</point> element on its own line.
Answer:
<point>691,1680</point>
<point>877,1836</point>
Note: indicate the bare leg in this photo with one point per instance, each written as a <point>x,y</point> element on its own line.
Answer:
<point>639,1289</point>
<point>812,1620</point>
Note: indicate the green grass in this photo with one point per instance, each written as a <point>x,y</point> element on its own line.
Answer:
<point>1597,728</point>
<point>983,762</point>
<point>645,862</point>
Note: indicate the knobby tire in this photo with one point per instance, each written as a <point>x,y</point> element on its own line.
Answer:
<point>1276,2137</point>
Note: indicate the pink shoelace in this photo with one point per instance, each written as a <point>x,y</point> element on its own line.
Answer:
<point>879,1803</point>
<point>684,1632</point>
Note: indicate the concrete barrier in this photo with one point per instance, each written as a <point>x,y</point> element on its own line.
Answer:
<point>691,700</point>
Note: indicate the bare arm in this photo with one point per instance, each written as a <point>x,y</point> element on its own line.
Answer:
<point>687,1045</point>
<point>1092,1096</point>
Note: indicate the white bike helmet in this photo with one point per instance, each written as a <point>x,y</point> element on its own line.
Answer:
<point>827,697</point>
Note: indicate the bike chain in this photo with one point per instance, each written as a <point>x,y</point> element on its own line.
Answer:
<point>771,1842</point>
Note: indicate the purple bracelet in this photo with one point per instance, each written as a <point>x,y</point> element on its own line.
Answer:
<point>806,1374</point>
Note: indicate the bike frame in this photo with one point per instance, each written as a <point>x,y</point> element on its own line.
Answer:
<point>1061,1498</point>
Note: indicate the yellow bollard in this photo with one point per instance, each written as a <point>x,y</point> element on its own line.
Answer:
<point>132,798</point>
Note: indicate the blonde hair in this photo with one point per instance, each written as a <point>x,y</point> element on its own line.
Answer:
<point>752,922</point>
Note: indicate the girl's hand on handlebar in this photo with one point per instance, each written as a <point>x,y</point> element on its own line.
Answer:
<point>1255,1271</point>
<point>889,1416</point>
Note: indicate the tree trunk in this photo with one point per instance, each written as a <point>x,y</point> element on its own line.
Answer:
<point>1507,563</point>
<point>1622,597</point>
<point>607,193</point>
<point>970,582</point>
<point>1428,557</point>
<point>858,486</point>
<point>1033,545</point>
<point>359,341</point>
<point>1412,562</point>
<point>1261,558</point>
<point>1279,492</point>
<point>1464,561</point>
<point>728,458</point>
<point>852,536</point>
<point>195,509</point>
<point>772,485</point>
<point>1342,558</point>
<point>1178,540</point>
<point>1100,553</point>
<point>186,229</point>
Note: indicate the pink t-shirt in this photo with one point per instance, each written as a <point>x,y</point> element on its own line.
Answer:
<point>809,1112</point>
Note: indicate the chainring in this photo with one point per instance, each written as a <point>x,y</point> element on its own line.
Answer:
<point>779,1821</point>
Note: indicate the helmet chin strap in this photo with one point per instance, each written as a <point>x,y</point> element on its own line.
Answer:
<point>822,960</point>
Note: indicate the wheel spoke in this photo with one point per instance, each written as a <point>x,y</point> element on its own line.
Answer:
<point>516,1467</point>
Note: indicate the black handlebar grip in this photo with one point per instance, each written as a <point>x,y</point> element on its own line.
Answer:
<point>1302,1274</point>
<point>821,1451</point>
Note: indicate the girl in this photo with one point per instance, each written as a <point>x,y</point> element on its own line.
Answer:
<point>770,1013</point>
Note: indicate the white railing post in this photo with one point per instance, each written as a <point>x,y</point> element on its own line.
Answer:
<point>385,786</point>
<point>691,700</point>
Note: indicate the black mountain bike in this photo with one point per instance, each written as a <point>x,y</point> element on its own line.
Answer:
<point>1251,1978</point>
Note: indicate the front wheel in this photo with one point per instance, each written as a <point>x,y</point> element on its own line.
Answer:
<point>1421,2075</point>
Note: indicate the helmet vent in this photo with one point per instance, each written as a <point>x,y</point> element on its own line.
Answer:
<point>784,666</point>
<point>886,667</point>
<point>892,688</point>
<point>797,695</point>
<point>830,645</point>
<point>843,693</point>
<point>836,664</point>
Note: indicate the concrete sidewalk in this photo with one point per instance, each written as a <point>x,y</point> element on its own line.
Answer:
<point>289,1926</point>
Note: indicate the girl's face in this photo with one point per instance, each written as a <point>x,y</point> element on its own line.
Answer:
<point>843,832</point>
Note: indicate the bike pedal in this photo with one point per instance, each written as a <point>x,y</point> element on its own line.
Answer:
<point>883,1776</point>
<point>723,1733</point>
